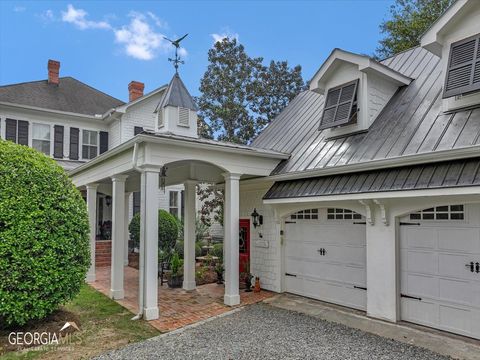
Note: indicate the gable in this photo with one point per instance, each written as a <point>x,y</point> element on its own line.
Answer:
<point>412,123</point>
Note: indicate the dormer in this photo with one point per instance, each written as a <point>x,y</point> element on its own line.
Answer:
<point>177,113</point>
<point>455,37</point>
<point>356,89</point>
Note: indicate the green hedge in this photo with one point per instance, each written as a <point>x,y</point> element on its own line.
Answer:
<point>44,245</point>
<point>167,230</point>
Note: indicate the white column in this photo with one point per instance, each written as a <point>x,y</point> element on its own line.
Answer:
<point>118,237</point>
<point>149,241</point>
<point>189,236</point>
<point>92,220</point>
<point>382,290</point>
<point>125,231</point>
<point>231,226</point>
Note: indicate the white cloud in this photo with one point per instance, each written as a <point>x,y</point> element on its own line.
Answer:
<point>78,17</point>
<point>225,33</point>
<point>182,52</point>
<point>47,16</point>
<point>140,40</point>
<point>19,8</point>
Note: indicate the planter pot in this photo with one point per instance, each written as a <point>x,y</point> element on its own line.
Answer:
<point>175,281</point>
<point>219,277</point>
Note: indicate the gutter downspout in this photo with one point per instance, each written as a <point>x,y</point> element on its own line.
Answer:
<point>141,265</point>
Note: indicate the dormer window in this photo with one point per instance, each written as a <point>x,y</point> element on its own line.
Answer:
<point>463,71</point>
<point>340,106</point>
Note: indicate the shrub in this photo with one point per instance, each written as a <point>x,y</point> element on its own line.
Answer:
<point>167,230</point>
<point>44,242</point>
<point>217,251</point>
<point>179,248</point>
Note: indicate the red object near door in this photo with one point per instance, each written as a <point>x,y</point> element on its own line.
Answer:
<point>244,246</point>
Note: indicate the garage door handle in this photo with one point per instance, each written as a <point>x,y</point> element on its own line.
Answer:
<point>471,266</point>
<point>410,297</point>
<point>359,287</point>
<point>288,274</point>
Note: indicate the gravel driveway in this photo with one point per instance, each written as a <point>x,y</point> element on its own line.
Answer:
<point>265,332</point>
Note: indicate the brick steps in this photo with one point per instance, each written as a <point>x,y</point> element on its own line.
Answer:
<point>103,253</point>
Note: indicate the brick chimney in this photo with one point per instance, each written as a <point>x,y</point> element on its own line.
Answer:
<point>53,71</point>
<point>135,90</point>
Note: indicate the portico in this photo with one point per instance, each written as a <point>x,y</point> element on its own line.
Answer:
<point>136,165</point>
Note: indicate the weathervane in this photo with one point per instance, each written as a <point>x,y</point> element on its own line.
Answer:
<point>176,60</point>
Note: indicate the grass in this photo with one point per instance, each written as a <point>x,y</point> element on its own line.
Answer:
<point>104,325</point>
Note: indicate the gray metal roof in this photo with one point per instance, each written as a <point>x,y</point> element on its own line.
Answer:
<point>70,95</point>
<point>177,95</point>
<point>411,123</point>
<point>447,174</point>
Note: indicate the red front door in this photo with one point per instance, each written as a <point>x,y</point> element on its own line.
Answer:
<point>244,246</point>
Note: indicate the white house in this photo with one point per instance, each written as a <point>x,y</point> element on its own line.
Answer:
<point>363,192</point>
<point>73,123</point>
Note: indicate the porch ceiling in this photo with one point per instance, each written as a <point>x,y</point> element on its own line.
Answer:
<point>185,159</point>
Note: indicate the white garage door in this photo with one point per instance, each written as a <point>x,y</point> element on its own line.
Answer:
<point>440,268</point>
<point>325,256</point>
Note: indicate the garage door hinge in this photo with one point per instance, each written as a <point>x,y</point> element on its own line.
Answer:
<point>409,224</point>
<point>359,223</point>
<point>288,274</point>
<point>290,222</point>
<point>410,297</point>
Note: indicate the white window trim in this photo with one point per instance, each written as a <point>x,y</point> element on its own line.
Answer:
<point>435,212</point>
<point>342,213</point>
<point>177,193</point>
<point>313,214</point>
<point>30,135</point>
<point>81,143</point>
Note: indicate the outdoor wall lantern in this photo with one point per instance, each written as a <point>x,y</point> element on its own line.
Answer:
<point>108,200</point>
<point>257,219</point>
<point>163,177</point>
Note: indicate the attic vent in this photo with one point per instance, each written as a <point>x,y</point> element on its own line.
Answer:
<point>463,71</point>
<point>340,105</point>
<point>160,118</point>
<point>183,117</point>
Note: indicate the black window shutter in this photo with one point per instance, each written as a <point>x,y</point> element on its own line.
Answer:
<point>11,130</point>
<point>22,132</point>
<point>137,130</point>
<point>58,141</point>
<point>136,202</point>
<point>182,204</point>
<point>74,139</point>
<point>103,141</point>
<point>339,104</point>
<point>463,71</point>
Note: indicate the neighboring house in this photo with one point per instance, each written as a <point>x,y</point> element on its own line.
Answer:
<point>74,123</point>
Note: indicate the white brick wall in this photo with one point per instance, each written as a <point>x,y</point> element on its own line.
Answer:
<point>265,252</point>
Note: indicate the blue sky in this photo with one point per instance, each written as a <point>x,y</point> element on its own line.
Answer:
<point>106,44</point>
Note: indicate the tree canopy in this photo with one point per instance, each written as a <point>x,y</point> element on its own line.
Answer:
<point>409,19</point>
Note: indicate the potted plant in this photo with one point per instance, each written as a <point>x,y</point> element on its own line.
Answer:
<point>175,277</point>
<point>219,269</point>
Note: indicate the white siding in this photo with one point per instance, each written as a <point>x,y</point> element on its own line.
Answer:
<point>265,252</point>
<point>114,136</point>
<point>141,114</point>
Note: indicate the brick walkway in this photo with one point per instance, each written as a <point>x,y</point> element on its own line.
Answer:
<point>177,306</point>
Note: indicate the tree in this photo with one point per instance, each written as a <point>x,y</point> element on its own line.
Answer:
<point>279,84</point>
<point>240,95</point>
<point>227,88</point>
<point>44,241</point>
<point>409,20</point>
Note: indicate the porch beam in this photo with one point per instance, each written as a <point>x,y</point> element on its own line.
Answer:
<point>92,220</point>
<point>189,236</point>
<point>231,228</point>
<point>118,236</point>
<point>149,242</point>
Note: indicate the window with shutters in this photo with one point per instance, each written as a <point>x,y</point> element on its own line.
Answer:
<point>340,106</point>
<point>16,131</point>
<point>183,117</point>
<point>173,203</point>
<point>463,71</point>
<point>41,138</point>
<point>89,144</point>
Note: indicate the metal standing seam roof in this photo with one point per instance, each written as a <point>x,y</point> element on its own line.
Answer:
<point>447,174</point>
<point>177,95</point>
<point>411,123</point>
<point>70,95</point>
